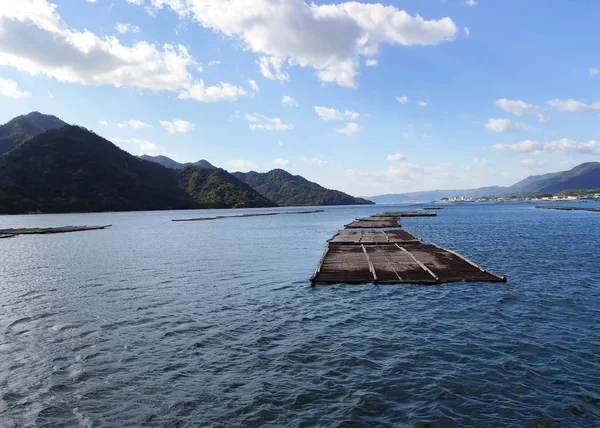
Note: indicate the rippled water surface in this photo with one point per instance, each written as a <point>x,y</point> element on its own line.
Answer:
<point>154,323</point>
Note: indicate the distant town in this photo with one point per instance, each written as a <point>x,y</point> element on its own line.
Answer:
<point>567,195</point>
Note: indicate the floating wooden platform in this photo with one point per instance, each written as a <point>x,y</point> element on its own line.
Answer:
<point>433,208</point>
<point>374,223</point>
<point>553,207</point>
<point>7,236</point>
<point>397,264</point>
<point>220,217</point>
<point>371,237</point>
<point>49,230</point>
<point>406,214</point>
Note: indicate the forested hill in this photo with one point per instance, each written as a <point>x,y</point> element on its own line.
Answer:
<point>24,127</point>
<point>293,190</point>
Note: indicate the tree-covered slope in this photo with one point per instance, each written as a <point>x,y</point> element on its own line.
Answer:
<point>24,127</point>
<point>170,163</point>
<point>293,190</point>
<point>584,176</point>
<point>71,169</point>
<point>219,189</point>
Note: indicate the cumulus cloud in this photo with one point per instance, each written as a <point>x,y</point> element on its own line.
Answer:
<point>330,38</point>
<point>327,114</point>
<point>34,39</point>
<point>422,104</point>
<point>177,126</point>
<point>254,85</point>
<point>371,63</point>
<point>402,99</point>
<point>260,121</point>
<point>127,28</point>
<point>470,2</point>
<point>315,161</point>
<point>505,125</point>
<point>10,88</point>
<point>134,123</point>
<point>350,129</point>
<point>286,100</point>
<point>395,157</point>
<point>564,146</point>
<point>517,107</point>
<point>573,105</point>
<point>243,164</point>
<point>143,147</point>
<point>281,163</point>
<point>593,71</point>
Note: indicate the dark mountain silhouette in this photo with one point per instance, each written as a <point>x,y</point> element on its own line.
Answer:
<point>293,190</point>
<point>71,169</point>
<point>170,163</point>
<point>582,177</point>
<point>24,127</point>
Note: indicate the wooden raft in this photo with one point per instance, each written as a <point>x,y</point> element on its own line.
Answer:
<point>397,264</point>
<point>374,223</point>
<point>407,214</point>
<point>220,217</point>
<point>371,237</point>
<point>553,207</point>
<point>49,230</point>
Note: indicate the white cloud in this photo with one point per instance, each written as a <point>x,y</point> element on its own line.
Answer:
<point>350,129</point>
<point>542,118</point>
<point>517,107</point>
<point>91,1</point>
<point>564,145</point>
<point>395,157</point>
<point>402,99</point>
<point>505,125</point>
<point>144,147</point>
<point>422,104</point>
<point>270,67</point>
<point>327,114</point>
<point>467,32</point>
<point>532,163</point>
<point>134,123</point>
<point>224,92</point>
<point>260,121</point>
<point>34,39</point>
<point>593,71</point>
<point>315,161</point>
<point>573,105</point>
<point>286,100</point>
<point>254,85</point>
<point>10,88</point>
<point>470,2</point>
<point>281,163</point>
<point>330,38</point>
<point>126,28</point>
<point>243,164</point>
<point>371,63</point>
<point>213,63</point>
<point>177,126</point>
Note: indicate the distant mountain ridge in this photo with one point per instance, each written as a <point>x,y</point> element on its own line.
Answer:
<point>25,127</point>
<point>294,190</point>
<point>170,163</point>
<point>71,169</point>
<point>582,177</point>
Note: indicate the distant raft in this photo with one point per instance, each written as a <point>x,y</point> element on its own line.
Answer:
<point>221,217</point>
<point>406,214</point>
<point>370,237</point>
<point>49,230</point>
<point>374,223</point>
<point>554,207</point>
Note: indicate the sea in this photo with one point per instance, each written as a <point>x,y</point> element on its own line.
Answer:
<point>155,323</point>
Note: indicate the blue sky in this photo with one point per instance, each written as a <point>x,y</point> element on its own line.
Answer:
<point>379,97</point>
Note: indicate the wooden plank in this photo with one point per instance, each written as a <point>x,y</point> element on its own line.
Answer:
<point>371,268</point>
<point>500,277</point>
<point>425,268</point>
<point>50,230</point>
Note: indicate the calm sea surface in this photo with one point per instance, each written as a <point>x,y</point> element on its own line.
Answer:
<point>154,323</point>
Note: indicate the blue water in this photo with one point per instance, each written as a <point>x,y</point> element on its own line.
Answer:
<point>154,323</point>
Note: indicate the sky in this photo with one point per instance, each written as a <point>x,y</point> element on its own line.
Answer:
<point>365,97</point>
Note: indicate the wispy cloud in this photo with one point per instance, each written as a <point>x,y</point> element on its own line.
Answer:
<point>260,121</point>
<point>177,126</point>
<point>350,129</point>
<point>564,145</point>
<point>328,114</point>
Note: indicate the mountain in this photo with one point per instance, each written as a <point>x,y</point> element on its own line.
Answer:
<point>71,169</point>
<point>24,127</point>
<point>584,176</point>
<point>518,187</point>
<point>170,163</point>
<point>217,188</point>
<point>293,190</point>
<point>436,195</point>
